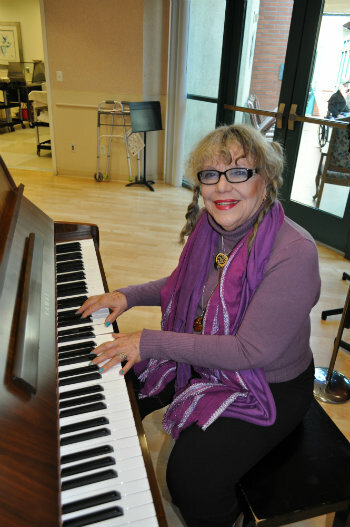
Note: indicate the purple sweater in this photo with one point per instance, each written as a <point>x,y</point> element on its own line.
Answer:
<point>275,331</point>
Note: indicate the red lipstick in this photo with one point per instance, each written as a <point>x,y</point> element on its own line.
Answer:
<point>225,204</point>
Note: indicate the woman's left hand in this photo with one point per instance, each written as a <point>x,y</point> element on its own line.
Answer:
<point>124,347</point>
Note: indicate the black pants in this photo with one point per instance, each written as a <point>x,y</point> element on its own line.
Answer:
<point>204,467</point>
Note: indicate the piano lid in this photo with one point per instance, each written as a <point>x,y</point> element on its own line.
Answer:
<point>29,493</point>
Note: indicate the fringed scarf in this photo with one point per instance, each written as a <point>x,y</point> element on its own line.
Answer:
<point>243,394</point>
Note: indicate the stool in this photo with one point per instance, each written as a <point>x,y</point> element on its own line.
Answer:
<point>305,476</point>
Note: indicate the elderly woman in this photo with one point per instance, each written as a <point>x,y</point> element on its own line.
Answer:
<point>233,359</point>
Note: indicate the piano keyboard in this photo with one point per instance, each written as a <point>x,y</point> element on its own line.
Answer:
<point>103,477</point>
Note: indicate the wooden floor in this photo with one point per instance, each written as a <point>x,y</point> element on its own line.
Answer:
<point>139,242</point>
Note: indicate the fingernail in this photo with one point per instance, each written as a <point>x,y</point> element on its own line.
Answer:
<point>77,312</point>
<point>101,370</point>
<point>121,372</point>
<point>108,324</point>
<point>91,364</point>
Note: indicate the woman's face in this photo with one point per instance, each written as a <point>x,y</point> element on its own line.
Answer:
<point>232,204</point>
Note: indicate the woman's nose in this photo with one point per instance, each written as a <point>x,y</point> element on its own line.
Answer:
<point>223,185</point>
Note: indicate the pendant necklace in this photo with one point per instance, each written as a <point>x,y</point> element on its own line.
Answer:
<point>198,322</point>
<point>221,258</point>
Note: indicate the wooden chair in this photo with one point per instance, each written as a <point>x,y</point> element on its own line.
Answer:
<point>265,125</point>
<point>334,166</point>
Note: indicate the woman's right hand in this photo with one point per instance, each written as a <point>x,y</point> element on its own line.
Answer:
<point>115,301</point>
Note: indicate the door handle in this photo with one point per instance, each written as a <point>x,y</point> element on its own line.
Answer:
<point>279,115</point>
<point>292,116</point>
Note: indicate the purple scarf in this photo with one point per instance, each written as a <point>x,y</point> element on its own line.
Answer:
<point>241,394</point>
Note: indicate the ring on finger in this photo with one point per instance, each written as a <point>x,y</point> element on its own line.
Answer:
<point>123,356</point>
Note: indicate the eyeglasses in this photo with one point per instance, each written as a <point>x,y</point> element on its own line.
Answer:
<point>232,175</point>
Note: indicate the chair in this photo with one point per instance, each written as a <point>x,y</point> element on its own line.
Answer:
<point>265,125</point>
<point>334,166</point>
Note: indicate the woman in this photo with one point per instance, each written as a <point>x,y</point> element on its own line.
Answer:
<point>337,104</point>
<point>233,359</point>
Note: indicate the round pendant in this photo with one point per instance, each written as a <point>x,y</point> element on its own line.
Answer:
<point>198,324</point>
<point>221,260</point>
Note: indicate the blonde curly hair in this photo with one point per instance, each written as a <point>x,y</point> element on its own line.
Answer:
<point>267,156</point>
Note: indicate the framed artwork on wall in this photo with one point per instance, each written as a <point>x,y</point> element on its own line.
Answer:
<point>10,42</point>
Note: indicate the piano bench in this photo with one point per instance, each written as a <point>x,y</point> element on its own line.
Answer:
<point>307,475</point>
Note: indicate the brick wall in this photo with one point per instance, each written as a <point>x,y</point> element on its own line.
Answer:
<point>270,50</point>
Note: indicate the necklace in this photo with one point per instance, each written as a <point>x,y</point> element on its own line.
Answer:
<point>198,322</point>
<point>221,258</point>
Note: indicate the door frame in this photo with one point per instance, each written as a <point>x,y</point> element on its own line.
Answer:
<point>299,60</point>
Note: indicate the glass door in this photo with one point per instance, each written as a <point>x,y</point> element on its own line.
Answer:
<point>317,124</point>
<point>292,57</point>
<point>206,27</point>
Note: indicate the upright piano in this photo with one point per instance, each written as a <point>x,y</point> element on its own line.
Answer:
<point>72,448</point>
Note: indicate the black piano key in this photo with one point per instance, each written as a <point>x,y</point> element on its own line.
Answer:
<point>78,410</point>
<point>94,464</point>
<point>67,247</point>
<point>74,331</point>
<point>80,378</point>
<point>81,391</point>
<point>80,334</point>
<point>69,313</point>
<point>74,255</point>
<point>83,350</point>
<point>71,265</point>
<point>75,288</point>
<point>82,425</point>
<point>73,321</point>
<point>76,301</point>
<point>87,480</point>
<point>72,285</point>
<point>85,454</point>
<point>71,347</point>
<point>78,401</point>
<point>85,436</point>
<point>75,360</point>
<point>78,371</point>
<point>70,277</point>
<point>94,517</point>
<point>77,505</point>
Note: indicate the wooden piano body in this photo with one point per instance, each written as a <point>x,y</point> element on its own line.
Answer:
<point>29,430</point>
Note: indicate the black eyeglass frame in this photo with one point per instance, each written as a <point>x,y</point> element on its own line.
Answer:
<point>250,172</point>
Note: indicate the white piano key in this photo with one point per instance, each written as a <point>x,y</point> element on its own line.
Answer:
<point>150,521</point>
<point>99,339</point>
<point>125,489</point>
<point>121,457</point>
<point>106,381</point>
<point>128,470</point>
<point>98,328</point>
<point>124,434</point>
<point>143,516</point>
<point>114,415</point>
<point>125,448</point>
<point>126,502</point>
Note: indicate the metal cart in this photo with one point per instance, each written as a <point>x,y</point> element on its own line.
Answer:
<point>110,116</point>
